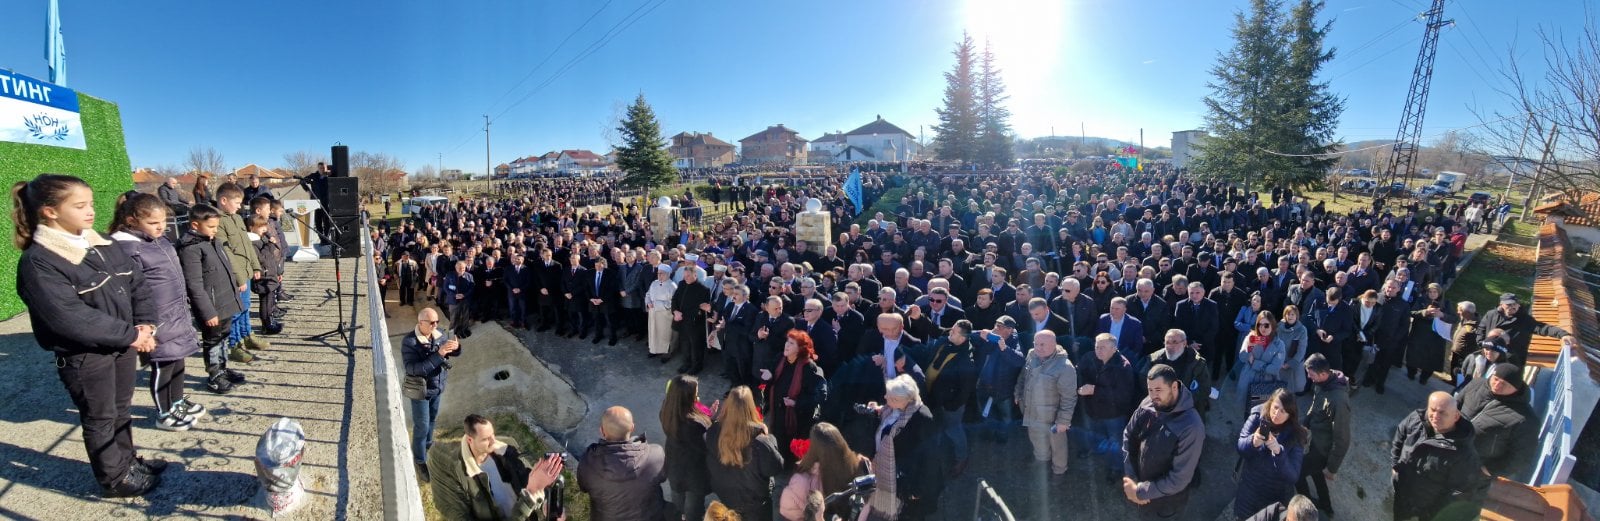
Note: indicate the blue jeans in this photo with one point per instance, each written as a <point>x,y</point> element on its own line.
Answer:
<point>241,321</point>
<point>999,422</point>
<point>954,431</point>
<point>423,412</point>
<point>1091,433</point>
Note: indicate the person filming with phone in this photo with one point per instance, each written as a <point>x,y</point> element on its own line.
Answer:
<point>426,351</point>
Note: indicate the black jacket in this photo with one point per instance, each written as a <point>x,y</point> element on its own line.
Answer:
<point>623,480</point>
<point>1439,475</point>
<point>1082,317</point>
<point>1519,329</point>
<point>1507,430</point>
<point>686,457</point>
<point>1115,394</point>
<point>917,457</point>
<point>83,301</point>
<point>746,489</point>
<point>957,376</point>
<point>213,289</point>
<point>421,357</point>
<point>767,351</point>
<point>1162,452</point>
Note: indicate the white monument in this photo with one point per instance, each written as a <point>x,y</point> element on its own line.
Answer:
<point>814,227</point>
<point>663,218</point>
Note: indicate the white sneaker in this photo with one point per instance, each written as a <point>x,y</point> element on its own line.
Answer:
<point>193,410</point>
<point>174,422</point>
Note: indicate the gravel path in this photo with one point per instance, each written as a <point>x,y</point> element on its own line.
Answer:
<point>326,388</point>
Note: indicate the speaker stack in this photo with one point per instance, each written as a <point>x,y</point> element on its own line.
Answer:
<point>343,203</point>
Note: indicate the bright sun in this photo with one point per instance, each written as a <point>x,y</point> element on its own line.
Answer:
<point>1029,39</point>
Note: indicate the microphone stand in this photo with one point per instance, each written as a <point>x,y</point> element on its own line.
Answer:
<point>343,331</point>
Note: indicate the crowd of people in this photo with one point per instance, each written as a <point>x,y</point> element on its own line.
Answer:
<point>1100,312</point>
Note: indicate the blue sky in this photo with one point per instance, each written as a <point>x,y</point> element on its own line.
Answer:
<point>258,79</point>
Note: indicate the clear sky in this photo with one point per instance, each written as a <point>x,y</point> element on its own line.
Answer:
<point>257,79</point>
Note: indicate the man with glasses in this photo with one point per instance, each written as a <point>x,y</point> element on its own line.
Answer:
<point>823,337</point>
<point>1079,313</point>
<point>1519,327</point>
<point>424,351</point>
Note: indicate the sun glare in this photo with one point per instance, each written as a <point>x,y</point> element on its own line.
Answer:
<point>1029,39</point>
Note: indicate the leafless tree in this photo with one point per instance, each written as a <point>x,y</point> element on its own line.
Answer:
<point>426,173</point>
<point>206,159</point>
<point>1553,121</point>
<point>302,162</point>
<point>380,173</point>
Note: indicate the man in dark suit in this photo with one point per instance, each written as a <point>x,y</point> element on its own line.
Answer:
<point>456,289</point>
<point>823,338</point>
<point>548,279</point>
<point>1153,313</point>
<point>1230,299</point>
<point>1332,325</point>
<point>1003,291</point>
<point>848,324</point>
<point>1041,319</point>
<point>405,270</point>
<point>1080,312</point>
<point>1197,317</point>
<point>576,288</point>
<point>1128,329</point>
<point>770,332</point>
<point>605,298</point>
<point>882,344</point>
<point>738,317</point>
<point>519,279</point>
<point>1203,272</point>
<point>938,317</point>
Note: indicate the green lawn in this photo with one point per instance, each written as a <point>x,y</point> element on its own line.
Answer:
<point>508,426</point>
<point>1497,269</point>
<point>1518,232</point>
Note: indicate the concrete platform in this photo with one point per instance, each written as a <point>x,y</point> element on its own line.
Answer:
<point>323,385</point>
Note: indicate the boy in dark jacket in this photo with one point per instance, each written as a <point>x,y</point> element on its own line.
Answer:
<point>271,254</point>
<point>208,276</point>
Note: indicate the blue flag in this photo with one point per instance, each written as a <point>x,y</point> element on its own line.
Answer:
<point>852,188</point>
<point>55,47</point>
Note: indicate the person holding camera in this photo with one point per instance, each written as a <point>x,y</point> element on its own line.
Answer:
<point>484,477</point>
<point>425,351</point>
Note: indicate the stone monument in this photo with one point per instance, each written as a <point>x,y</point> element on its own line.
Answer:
<point>814,227</point>
<point>663,218</point>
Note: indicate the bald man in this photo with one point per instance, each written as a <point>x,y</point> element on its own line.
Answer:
<point>1436,470</point>
<point>425,351</point>
<point>622,473</point>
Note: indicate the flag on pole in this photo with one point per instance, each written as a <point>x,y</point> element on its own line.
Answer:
<point>852,188</point>
<point>55,46</point>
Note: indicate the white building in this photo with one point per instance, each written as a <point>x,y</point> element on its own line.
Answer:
<point>824,148</point>
<point>879,140</point>
<point>1184,143</point>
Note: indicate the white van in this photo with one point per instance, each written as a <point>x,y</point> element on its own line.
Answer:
<point>411,205</point>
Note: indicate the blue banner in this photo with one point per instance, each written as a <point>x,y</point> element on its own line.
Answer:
<point>38,112</point>
<point>852,188</point>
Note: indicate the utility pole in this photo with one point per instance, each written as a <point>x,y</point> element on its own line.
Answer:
<point>1521,151</point>
<point>441,165</point>
<point>1549,157</point>
<point>1141,142</point>
<point>1407,138</point>
<point>488,173</point>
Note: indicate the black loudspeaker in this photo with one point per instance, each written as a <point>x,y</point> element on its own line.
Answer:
<point>349,235</point>
<point>341,161</point>
<point>344,196</point>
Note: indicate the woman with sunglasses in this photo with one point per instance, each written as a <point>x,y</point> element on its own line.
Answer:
<point>1261,355</point>
<point>1102,293</point>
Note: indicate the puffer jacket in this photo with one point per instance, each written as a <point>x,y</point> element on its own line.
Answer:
<point>1114,383</point>
<point>1328,419</point>
<point>1506,428</point>
<point>158,259</point>
<point>213,290</point>
<point>623,480</point>
<point>1265,478</point>
<point>82,300</point>
<point>1048,390</point>
<point>1161,452</point>
<point>1439,475</point>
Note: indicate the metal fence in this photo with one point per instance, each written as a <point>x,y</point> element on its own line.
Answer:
<point>1570,395</point>
<point>402,498</point>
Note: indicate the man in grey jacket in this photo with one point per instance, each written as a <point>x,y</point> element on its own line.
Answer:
<point>1161,447</point>
<point>1047,392</point>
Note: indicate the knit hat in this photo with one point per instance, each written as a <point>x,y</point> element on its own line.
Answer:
<point>1511,374</point>
<point>1508,298</point>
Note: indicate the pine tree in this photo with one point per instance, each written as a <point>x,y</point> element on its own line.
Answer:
<point>956,135</point>
<point>1268,116</point>
<point>643,156</point>
<point>994,133</point>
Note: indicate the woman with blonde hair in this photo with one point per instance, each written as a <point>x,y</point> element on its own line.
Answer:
<point>741,457</point>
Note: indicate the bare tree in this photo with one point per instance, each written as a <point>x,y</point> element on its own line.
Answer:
<point>206,159</point>
<point>1552,129</point>
<point>302,162</point>
<point>380,173</point>
<point>427,173</point>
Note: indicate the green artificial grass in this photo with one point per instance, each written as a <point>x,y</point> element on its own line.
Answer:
<point>104,165</point>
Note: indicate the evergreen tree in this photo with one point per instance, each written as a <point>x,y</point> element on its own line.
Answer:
<point>956,135</point>
<point>1266,106</point>
<point>643,156</point>
<point>994,134</point>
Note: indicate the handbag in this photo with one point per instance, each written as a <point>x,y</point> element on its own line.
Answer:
<point>414,387</point>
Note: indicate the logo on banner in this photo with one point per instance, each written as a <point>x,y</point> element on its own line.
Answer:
<point>41,126</point>
<point>37,112</point>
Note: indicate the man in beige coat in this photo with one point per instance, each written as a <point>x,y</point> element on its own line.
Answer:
<point>1047,392</point>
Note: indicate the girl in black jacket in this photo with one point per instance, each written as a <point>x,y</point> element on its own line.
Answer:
<point>88,304</point>
<point>139,228</point>
<point>685,421</point>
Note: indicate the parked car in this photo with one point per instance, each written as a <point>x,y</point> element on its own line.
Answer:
<point>1480,197</point>
<point>1397,190</point>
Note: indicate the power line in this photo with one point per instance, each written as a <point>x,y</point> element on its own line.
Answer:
<point>552,54</point>
<point>616,30</point>
<point>1376,58</point>
<point>1435,135</point>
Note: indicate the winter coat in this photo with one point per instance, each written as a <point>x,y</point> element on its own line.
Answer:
<point>686,457</point>
<point>421,357</point>
<point>1519,329</point>
<point>623,480</point>
<point>241,255</point>
<point>82,300</point>
<point>270,253</point>
<point>1265,479</point>
<point>748,489</point>
<point>175,334</point>
<point>1439,475</point>
<point>213,289</point>
<point>1268,361</point>
<point>1048,390</point>
<point>1115,392</point>
<point>1507,430</point>
<point>1294,352</point>
<point>636,279</point>
<point>461,487</point>
<point>1161,452</point>
<point>998,373</point>
<point>1193,371</point>
<point>1328,418</point>
<point>1425,349</point>
<point>957,376</point>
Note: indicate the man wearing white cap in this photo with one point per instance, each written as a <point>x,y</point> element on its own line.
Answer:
<point>658,304</point>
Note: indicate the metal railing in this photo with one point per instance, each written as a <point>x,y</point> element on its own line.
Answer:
<point>1570,394</point>
<point>402,498</point>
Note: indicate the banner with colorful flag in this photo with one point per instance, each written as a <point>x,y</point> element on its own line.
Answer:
<point>852,188</point>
